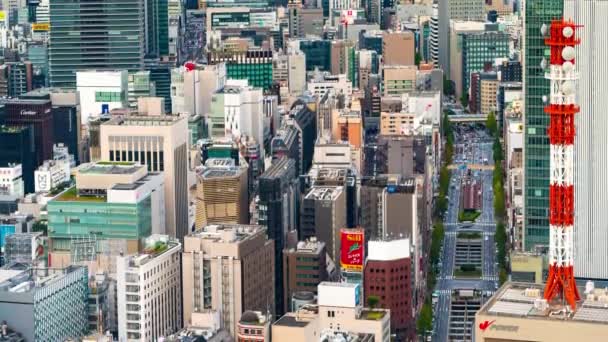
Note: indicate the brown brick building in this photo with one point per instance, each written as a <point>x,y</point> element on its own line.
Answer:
<point>388,277</point>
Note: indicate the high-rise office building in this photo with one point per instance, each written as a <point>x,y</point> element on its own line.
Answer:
<point>157,28</point>
<point>99,45</point>
<point>221,194</point>
<point>17,146</point>
<point>66,117</point>
<point>590,177</point>
<point>38,114</point>
<point>161,143</point>
<point>474,48</point>
<point>318,54</point>
<point>278,210</point>
<point>323,214</point>
<point>254,65</point>
<point>101,91</point>
<point>304,268</point>
<point>149,291</point>
<point>229,269</point>
<point>449,10</point>
<point>45,304</point>
<point>387,276</point>
<point>536,142</point>
<point>398,48</point>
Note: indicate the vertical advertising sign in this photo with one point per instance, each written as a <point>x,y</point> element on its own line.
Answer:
<point>351,250</point>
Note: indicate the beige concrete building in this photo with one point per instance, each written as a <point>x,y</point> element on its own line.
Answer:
<point>339,305</point>
<point>230,269</point>
<point>396,123</point>
<point>518,313</point>
<point>489,90</point>
<point>398,48</point>
<point>222,194</point>
<point>527,267</point>
<point>161,143</point>
<point>398,79</point>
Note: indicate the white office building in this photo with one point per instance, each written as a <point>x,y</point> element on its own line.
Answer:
<point>11,183</point>
<point>101,91</point>
<point>191,90</point>
<point>591,144</point>
<point>321,82</point>
<point>51,174</point>
<point>149,291</point>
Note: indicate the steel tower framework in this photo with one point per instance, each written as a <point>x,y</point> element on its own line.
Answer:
<point>561,109</point>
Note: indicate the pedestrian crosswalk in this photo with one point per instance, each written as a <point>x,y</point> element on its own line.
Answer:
<point>489,277</point>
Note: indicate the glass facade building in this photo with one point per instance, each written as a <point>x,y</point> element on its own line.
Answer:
<point>536,143</point>
<point>252,65</point>
<point>479,50</point>
<point>100,35</point>
<point>55,309</point>
<point>93,216</point>
<point>318,54</point>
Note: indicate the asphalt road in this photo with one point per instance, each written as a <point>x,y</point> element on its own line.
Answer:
<point>474,153</point>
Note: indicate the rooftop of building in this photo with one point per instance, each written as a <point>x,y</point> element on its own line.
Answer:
<point>324,193</point>
<point>309,246</point>
<point>253,318</point>
<point>227,233</point>
<point>19,279</point>
<point>299,319</point>
<point>525,300</point>
<point>111,168</point>
<point>16,101</point>
<point>345,336</point>
<point>154,246</point>
<point>394,181</point>
<point>139,120</point>
<point>279,168</point>
<point>72,195</point>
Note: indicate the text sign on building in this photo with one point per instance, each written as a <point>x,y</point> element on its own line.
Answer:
<point>351,250</point>
<point>40,27</point>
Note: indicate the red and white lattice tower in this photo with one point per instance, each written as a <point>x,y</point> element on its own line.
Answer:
<point>561,109</point>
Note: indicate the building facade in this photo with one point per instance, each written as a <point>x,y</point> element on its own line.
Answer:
<point>149,291</point>
<point>119,51</point>
<point>388,277</point>
<point>229,269</point>
<point>278,207</point>
<point>304,268</point>
<point>50,304</point>
<point>536,142</point>
<point>161,143</point>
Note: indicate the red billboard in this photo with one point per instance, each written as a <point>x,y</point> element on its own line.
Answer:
<point>351,250</point>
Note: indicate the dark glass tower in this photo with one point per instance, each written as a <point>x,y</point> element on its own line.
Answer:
<point>17,146</point>
<point>278,209</point>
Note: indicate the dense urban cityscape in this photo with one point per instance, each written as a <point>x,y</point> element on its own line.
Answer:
<point>303,170</point>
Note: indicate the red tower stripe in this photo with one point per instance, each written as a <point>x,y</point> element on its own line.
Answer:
<point>561,205</point>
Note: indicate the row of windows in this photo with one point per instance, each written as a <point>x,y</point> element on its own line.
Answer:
<point>109,96</point>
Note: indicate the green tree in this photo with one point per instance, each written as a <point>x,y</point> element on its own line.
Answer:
<point>448,86</point>
<point>372,301</point>
<point>444,180</point>
<point>40,226</point>
<point>425,320</point>
<point>502,276</point>
<point>491,124</point>
<point>464,100</point>
<point>497,150</point>
<point>417,58</point>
